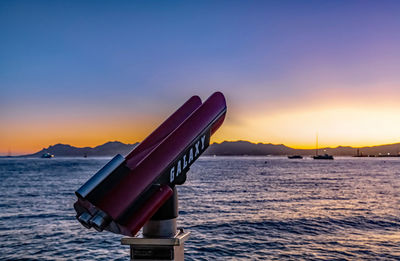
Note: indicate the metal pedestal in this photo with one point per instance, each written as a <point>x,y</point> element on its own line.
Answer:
<point>143,248</point>
<point>160,240</point>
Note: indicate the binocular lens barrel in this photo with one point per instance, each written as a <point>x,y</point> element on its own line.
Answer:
<point>84,219</point>
<point>99,221</point>
<point>100,176</point>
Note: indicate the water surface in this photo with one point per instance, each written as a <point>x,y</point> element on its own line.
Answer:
<point>242,208</point>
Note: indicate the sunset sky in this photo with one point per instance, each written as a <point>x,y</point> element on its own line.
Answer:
<point>88,72</point>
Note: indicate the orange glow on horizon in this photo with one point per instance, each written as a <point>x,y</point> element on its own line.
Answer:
<point>355,119</point>
<point>357,123</point>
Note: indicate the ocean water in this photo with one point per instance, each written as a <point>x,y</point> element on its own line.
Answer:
<point>237,208</point>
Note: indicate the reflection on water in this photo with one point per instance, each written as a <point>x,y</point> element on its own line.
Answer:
<point>235,207</point>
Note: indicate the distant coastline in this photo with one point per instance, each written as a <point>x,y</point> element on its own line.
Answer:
<point>226,148</point>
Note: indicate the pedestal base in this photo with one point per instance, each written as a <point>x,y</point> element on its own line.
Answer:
<point>143,248</point>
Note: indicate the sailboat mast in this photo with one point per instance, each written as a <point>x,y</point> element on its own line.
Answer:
<point>316,146</point>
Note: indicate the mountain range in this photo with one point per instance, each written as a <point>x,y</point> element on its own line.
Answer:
<point>226,148</point>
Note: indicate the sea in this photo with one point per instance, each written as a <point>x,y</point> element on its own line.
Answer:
<point>236,208</point>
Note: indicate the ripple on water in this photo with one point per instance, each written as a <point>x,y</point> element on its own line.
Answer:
<point>236,208</point>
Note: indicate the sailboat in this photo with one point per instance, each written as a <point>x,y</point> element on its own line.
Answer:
<point>325,156</point>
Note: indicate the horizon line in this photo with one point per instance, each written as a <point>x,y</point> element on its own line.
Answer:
<point>239,140</point>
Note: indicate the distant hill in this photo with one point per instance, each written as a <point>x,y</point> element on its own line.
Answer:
<point>227,148</point>
<point>248,148</point>
<point>107,149</point>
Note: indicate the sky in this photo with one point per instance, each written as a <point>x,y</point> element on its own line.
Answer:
<point>87,72</point>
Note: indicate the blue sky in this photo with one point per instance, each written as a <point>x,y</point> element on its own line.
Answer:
<point>114,65</point>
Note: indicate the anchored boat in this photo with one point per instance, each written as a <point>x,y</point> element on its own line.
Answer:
<point>325,156</point>
<point>322,157</point>
<point>47,155</point>
<point>295,157</point>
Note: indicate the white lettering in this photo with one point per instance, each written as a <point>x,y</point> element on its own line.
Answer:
<point>191,155</point>
<point>172,174</point>
<point>188,158</point>
<point>178,168</point>
<point>184,162</point>
<point>203,141</point>
<point>197,152</point>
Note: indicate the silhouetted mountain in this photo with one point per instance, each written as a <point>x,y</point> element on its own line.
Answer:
<point>107,149</point>
<point>225,148</point>
<point>247,148</point>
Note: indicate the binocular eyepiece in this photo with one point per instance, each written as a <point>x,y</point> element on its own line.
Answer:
<point>84,219</point>
<point>98,221</point>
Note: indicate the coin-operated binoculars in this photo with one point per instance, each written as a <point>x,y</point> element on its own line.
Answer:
<point>138,190</point>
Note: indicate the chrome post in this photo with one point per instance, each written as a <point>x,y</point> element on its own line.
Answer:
<point>160,239</point>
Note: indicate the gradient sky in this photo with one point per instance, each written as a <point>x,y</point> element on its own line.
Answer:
<point>87,72</point>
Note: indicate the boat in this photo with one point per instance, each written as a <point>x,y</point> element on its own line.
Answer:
<point>295,157</point>
<point>321,157</point>
<point>47,155</point>
<point>9,153</point>
<point>325,156</point>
